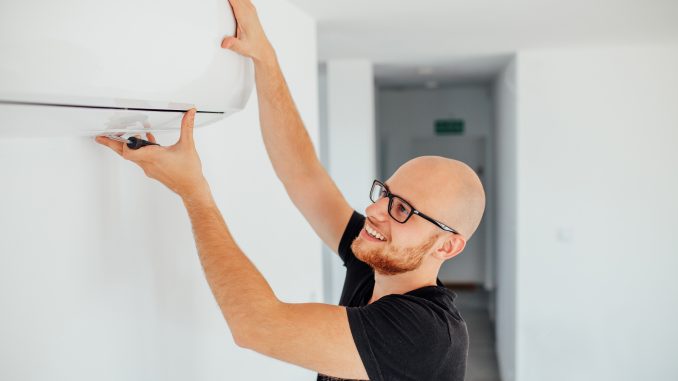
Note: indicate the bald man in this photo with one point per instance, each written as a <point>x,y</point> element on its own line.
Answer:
<point>395,320</point>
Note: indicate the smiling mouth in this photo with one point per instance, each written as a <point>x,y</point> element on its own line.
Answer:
<point>375,234</point>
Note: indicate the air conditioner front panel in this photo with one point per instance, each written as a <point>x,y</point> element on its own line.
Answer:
<point>129,54</point>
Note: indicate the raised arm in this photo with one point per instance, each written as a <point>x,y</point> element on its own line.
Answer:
<point>312,335</point>
<point>287,142</point>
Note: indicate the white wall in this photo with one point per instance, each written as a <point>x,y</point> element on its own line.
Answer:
<point>504,206</point>
<point>99,276</point>
<point>333,272</point>
<point>596,138</point>
<point>349,134</point>
<point>351,128</point>
<point>406,119</point>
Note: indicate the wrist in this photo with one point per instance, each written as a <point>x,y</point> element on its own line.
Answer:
<point>199,193</point>
<point>267,59</point>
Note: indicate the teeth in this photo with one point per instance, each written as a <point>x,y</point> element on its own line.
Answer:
<point>374,233</point>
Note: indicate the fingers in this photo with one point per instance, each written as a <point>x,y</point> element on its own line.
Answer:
<point>235,5</point>
<point>187,126</point>
<point>150,137</point>
<point>250,39</point>
<point>110,143</point>
<point>239,5</point>
<point>143,155</point>
<point>120,148</point>
<point>128,153</point>
<point>123,150</point>
<point>228,42</point>
<point>234,44</point>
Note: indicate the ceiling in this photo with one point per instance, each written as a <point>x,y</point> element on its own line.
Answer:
<point>452,41</point>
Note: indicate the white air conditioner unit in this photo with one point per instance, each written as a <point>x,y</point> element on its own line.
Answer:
<point>91,67</point>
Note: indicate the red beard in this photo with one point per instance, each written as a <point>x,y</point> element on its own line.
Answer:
<point>389,260</point>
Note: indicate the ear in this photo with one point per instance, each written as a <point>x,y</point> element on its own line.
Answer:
<point>453,245</point>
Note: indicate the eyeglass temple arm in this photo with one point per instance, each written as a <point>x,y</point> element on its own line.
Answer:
<point>440,224</point>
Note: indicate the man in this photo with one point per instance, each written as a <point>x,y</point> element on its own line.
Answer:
<point>396,321</point>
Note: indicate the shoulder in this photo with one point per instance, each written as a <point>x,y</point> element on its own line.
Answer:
<point>423,313</point>
<point>431,309</point>
<point>410,333</point>
<point>436,298</point>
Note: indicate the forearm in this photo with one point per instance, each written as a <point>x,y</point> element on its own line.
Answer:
<point>287,142</point>
<point>239,288</point>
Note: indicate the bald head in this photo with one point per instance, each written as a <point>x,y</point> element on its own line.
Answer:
<point>445,189</point>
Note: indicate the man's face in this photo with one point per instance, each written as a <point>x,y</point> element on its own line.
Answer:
<point>402,247</point>
<point>444,189</point>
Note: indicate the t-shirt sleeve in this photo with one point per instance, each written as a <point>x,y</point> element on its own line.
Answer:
<point>355,224</point>
<point>400,338</point>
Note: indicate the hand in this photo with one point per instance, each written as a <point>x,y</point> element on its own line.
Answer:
<point>177,166</point>
<point>250,39</point>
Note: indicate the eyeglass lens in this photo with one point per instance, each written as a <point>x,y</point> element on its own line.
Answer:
<point>399,209</point>
<point>378,192</point>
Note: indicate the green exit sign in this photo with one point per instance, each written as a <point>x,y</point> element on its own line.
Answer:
<point>449,126</point>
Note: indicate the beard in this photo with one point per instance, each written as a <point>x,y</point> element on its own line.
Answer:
<point>390,260</point>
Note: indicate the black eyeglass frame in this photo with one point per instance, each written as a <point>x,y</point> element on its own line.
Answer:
<point>391,196</point>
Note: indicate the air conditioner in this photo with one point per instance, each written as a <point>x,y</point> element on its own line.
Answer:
<point>91,67</point>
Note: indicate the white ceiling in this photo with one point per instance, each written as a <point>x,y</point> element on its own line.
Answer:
<point>470,40</point>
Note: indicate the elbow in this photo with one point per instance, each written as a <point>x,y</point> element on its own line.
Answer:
<point>247,333</point>
<point>240,339</point>
<point>251,338</point>
<point>243,334</point>
<point>256,333</point>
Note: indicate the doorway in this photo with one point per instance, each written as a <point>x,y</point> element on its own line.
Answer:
<point>468,268</point>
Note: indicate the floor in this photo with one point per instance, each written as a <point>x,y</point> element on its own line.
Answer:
<point>482,359</point>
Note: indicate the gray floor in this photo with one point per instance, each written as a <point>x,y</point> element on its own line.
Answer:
<point>482,359</point>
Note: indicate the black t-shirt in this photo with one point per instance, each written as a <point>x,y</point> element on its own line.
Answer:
<point>418,335</point>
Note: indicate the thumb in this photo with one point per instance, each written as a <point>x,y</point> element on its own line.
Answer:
<point>187,126</point>
<point>234,44</point>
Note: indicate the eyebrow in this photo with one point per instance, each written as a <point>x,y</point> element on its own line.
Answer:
<point>389,189</point>
<point>406,200</point>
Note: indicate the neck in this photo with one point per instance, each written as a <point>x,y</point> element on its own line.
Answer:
<point>400,283</point>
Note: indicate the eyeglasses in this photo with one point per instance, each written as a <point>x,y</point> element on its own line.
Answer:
<point>399,209</point>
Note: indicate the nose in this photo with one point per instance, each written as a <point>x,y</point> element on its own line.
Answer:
<point>379,210</point>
